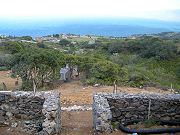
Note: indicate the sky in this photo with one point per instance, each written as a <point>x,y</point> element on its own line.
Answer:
<point>167,10</point>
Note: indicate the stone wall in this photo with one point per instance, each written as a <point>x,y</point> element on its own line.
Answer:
<point>121,107</point>
<point>33,113</point>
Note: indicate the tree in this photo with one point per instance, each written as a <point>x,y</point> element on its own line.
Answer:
<point>106,72</point>
<point>35,66</point>
<point>41,45</point>
<point>29,38</point>
<point>56,35</point>
<point>64,42</point>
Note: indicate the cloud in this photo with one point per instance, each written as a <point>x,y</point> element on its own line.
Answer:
<point>156,9</point>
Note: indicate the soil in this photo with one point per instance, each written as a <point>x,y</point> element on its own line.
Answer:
<point>11,131</point>
<point>79,123</point>
<point>74,93</point>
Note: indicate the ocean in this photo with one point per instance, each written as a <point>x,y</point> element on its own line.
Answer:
<point>100,27</point>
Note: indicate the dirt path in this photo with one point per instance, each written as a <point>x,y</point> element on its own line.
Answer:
<point>79,123</point>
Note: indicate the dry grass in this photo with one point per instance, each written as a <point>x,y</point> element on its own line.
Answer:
<point>5,77</point>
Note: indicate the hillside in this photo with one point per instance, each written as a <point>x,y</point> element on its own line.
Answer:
<point>136,61</point>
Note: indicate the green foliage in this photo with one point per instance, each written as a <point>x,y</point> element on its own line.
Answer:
<point>137,79</point>
<point>160,52</point>
<point>3,68</point>
<point>56,35</point>
<point>145,61</point>
<point>106,72</point>
<point>29,38</point>
<point>124,59</point>
<point>148,47</point>
<point>13,47</point>
<point>64,42</point>
<point>5,59</point>
<point>41,45</point>
<point>36,64</point>
<point>178,71</point>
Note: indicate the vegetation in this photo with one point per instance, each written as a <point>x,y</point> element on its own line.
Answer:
<point>64,42</point>
<point>145,61</point>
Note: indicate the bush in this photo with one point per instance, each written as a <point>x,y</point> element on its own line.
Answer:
<point>137,80</point>
<point>5,59</point>
<point>160,52</point>
<point>13,47</point>
<point>106,72</point>
<point>178,71</point>
<point>64,42</point>
<point>3,68</point>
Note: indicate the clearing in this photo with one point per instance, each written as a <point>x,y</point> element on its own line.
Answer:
<point>74,93</point>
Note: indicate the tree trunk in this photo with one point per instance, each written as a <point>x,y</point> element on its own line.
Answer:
<point>42,81</point>
<point>4,86</point>
<point>34,86</point>
<point>115,87</point>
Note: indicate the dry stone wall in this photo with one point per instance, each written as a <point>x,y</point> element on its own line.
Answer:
<point>121,107</point>
<point>33,113</point>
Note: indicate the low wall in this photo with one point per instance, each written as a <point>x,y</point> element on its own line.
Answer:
<point>34,114</point>
<point>121,107</point>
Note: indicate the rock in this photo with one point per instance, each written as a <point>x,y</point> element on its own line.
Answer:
<point>14,125</point>
<point>9,114</point>
<point>45,124</point>
<point>6,123</point>
<point>2,120</point>
<point>177,116</point>
<point>142,108</point>
<point>4,107</point>
<point>128,115</point>
<point>2,113</point>
<point>54,107</point>
<point>48,116</point>
<point>52,124</point>
<point>48,109</point>
<point>15,111</point>
<point>167,118</point>
<point>116,113</point>
<point>27,122</point>
<point>52,114</point>
<point>49,130</point>
<point>96,85</point>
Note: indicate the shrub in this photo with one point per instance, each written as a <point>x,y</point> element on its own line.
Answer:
<point>3,68</point>
<point>106,72</point>
<point>137,80</point>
